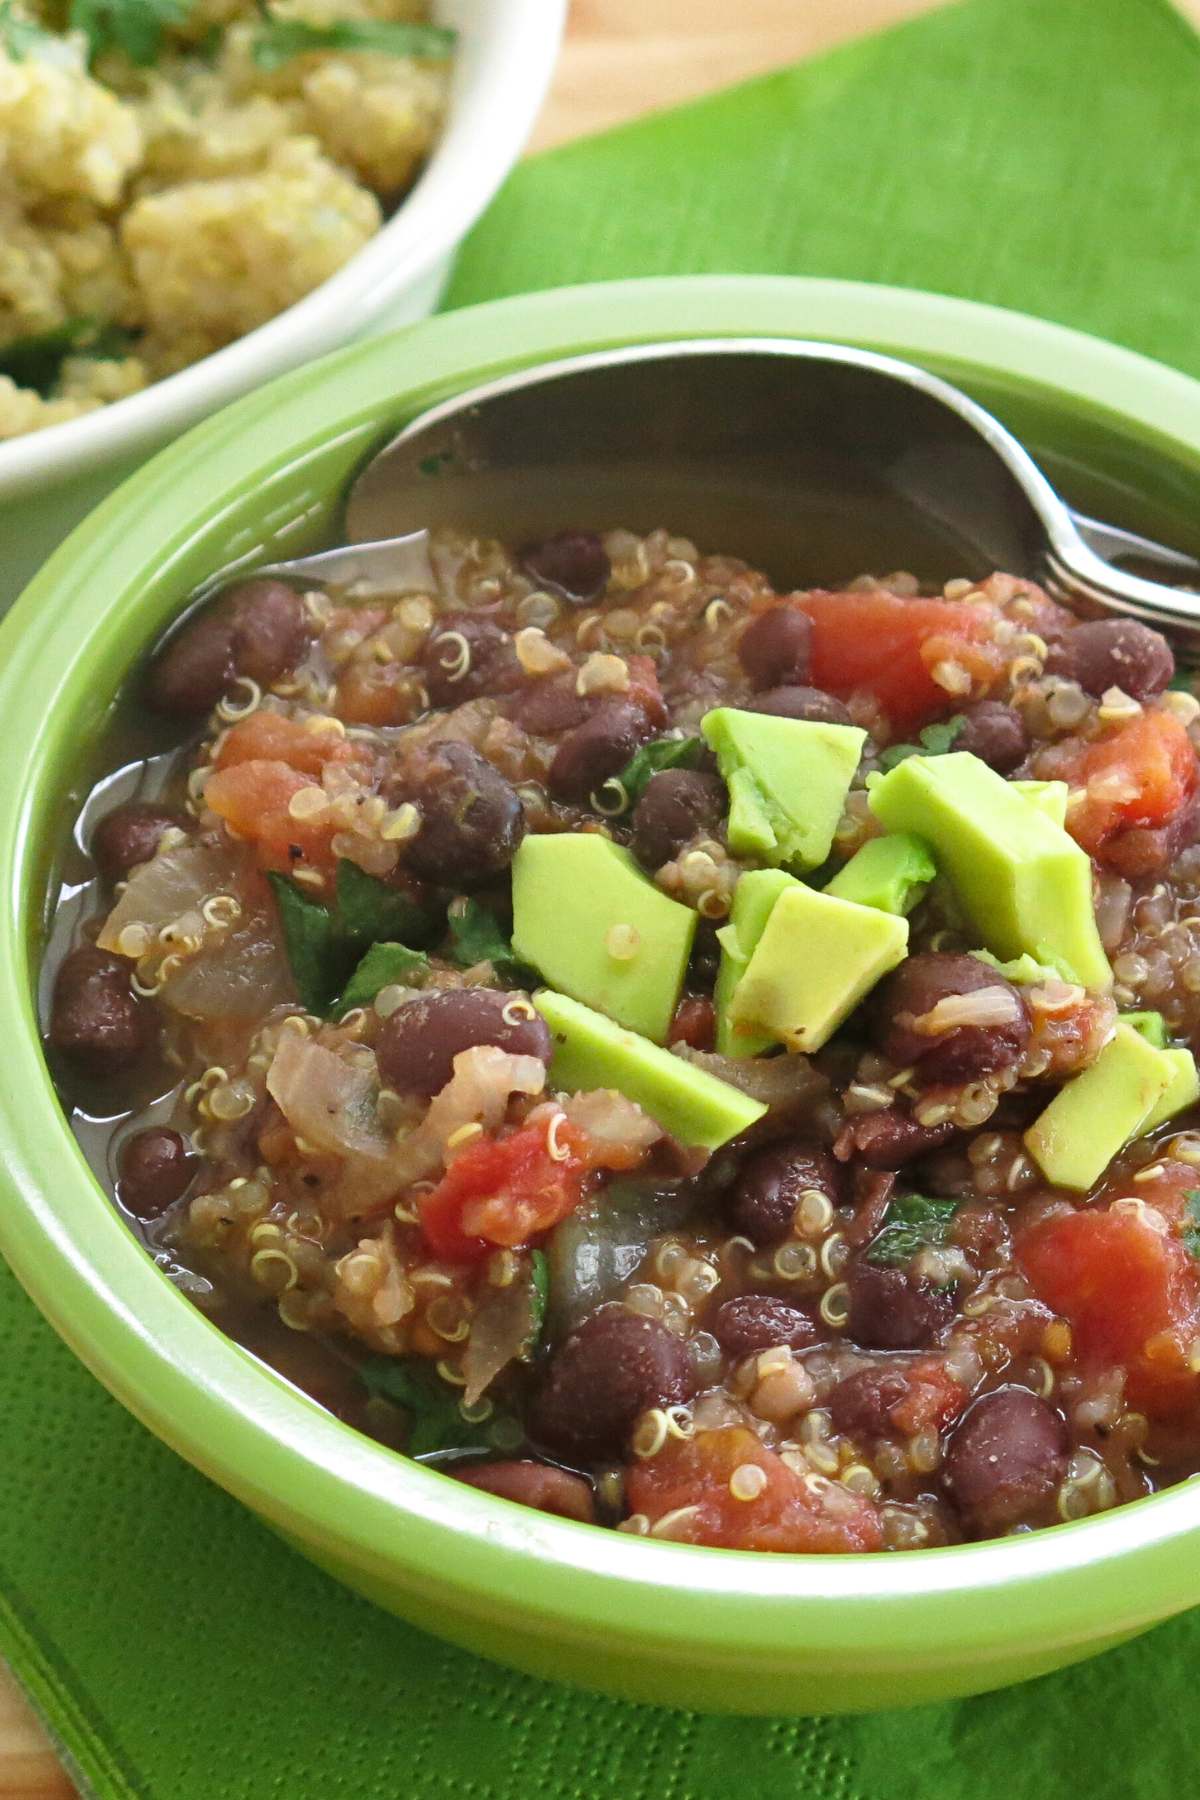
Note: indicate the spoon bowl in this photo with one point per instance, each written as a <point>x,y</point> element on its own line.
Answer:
<point>814,461</point>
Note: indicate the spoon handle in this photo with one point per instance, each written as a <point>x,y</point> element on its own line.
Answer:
<point>1162,588</point>
<point>1156,561</point>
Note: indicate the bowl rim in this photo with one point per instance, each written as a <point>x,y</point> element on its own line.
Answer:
<point>336,1493</point>
<point>493,110</point>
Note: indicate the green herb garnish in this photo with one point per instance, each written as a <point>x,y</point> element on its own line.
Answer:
<point>1191,1237</point>
<point>935,741</point>
<point>317,951</point>
<point>21,38</point>
<point>280,40</point>
<point>36,361</point>
<point>913,1222</point>
<point>476,937</point>
<point>134,27</point>
<point>662,753</point>
<point>383,966</point>
<point>371,912</point>
<point>539,1296</point>
<point>437,1424</point>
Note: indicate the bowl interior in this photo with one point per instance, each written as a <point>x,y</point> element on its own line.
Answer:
<point>262,479</point>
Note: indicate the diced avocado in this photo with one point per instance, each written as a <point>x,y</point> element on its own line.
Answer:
<point>787,780</point>
<point>1095,1115</point>
<point>1183,1088</point>
<point>815,960</point>
<point>890,873</point>
<point>1025,884</point>
<point>1050,797</point>
<point>591,1052</point>
<point>1024,970</point>
<point>589,921</point>
<point>753,897</point>
<point>1152,1026</point>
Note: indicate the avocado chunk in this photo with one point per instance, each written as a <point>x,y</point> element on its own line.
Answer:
<point>1076,1137</point>
<point>889,873</point>
<point>1025,885</point>
<point>815,960</point>
<point>1183,1088</point>
<point>591,923</point>
<point>787,780</point>
<point>1050,797</point>
<point>590,1051</point>
<point>1152,1026</point>
<point>753,897</point>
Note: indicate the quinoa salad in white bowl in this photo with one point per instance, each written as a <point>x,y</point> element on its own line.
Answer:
<point>198,194</point>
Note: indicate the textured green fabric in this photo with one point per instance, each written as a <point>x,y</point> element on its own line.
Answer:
<point>1039,153</point>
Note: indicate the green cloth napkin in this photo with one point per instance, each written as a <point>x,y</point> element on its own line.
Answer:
<point>1039,153</point>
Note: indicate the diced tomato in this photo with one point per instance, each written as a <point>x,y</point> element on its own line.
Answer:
<point>1142,774</point>
<point>371,694</point>
<point>644,689</point>
<point>698,1479</point>
<point>889,646</point>
<point>269,737</point>
<point>1130,1291</point>
<point>503,1191</point>
<point>931,1400</point>
<point>253,797</point>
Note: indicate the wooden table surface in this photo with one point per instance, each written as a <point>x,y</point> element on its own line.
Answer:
<point>621,58</point>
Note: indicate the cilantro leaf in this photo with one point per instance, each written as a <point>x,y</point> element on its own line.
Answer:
<point>316,950</point>
<point>383,965</point>
<point>935,741</point>
<point>661,753</point>
<point>912,1222</point>
<point>135,27</point>
<point>476,937</point>
<point>20,38</point>
<point>36,361</point>
<point>539,1271</point>
<point>371,912</point>
<point>1191,1237</point>
<point>279,40</point>
<point>436,1422</point>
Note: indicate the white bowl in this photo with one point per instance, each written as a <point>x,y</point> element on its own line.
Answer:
<point>503,63</point>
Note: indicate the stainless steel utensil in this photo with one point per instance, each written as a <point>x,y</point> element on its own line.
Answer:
<point>793,454</point>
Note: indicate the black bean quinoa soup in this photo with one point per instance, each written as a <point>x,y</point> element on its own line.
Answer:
<point>709,1062</point>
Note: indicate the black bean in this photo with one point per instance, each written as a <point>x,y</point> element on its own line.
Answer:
<point>861,1404</point>
<point>96,1019</point>
<point>995,733</point>
<point>465,656</point>
<point>129,835</point>
<point>196,667</point>
<point>472,819</point>
<point>548,705</point>
<point>573,564</point>
<point>598,748</point>
<point>1005,1458</point>
<point>889,1139</point>
<point>751,1322</point>
<point>675,806</point>
<point>762,1200</point>
<point>1104,653</point>
<point>891,1309</point>
<point>776,647</point>
<point>271,630</point>
<point>417,1043</point>
<point>155,1170</point>
<point>534,1484</point>
<point>967,1051</point>
<point>794,702</point>
<point>615,1366</point>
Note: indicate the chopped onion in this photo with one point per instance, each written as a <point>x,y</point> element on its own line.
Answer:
<point>478,1092</point>
<point>500,1329</point>
<point>986,1006</point>
<point>172,883</point>
<point>327,1101</point>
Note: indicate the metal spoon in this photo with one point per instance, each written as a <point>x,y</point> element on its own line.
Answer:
<point>782,451</point>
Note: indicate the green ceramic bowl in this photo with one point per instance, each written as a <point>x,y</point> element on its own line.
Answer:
<point>704,1628</point>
